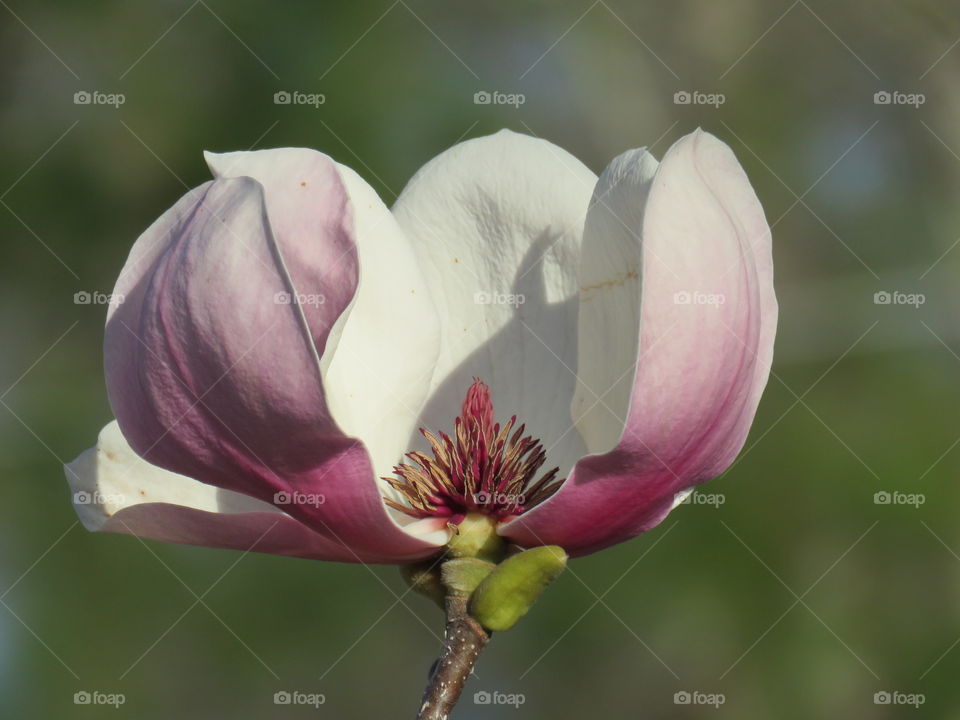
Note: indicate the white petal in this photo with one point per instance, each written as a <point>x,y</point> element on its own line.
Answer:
<point>610,272</point>
<point>497,224</point>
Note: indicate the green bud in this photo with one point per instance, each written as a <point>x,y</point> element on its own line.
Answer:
<point>462,575</point>
<point>424,577</point>
<point>510,590</point>
<point>476,536</point>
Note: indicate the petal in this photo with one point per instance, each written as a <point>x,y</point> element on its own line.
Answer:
<point>707,319</point>
<point>376,376</point>
<point>610,290</point>
<point>497,223</point>
<point>213,356</point>
<point>115,490</point>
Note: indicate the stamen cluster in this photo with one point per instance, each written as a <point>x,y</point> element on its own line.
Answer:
<point>484,468</point>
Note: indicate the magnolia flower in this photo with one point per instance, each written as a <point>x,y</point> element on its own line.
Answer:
<point>277,338</point>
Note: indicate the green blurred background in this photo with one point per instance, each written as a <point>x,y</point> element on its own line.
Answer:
<point>798,597</point>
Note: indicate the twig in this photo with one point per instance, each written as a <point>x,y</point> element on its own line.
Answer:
<point>463,640</point>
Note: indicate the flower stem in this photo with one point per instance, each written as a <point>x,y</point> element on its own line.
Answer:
<point>464,638</point>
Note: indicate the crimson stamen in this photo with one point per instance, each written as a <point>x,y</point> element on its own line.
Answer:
<point>485,468</point>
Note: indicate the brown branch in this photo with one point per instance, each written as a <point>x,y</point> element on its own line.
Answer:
<point>463,640</point>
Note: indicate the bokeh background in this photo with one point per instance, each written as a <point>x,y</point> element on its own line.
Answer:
<point>800,596</point>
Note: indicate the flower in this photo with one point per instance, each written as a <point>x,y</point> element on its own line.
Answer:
<point>279,335</point>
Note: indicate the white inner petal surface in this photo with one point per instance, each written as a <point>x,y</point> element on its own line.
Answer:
<point>611,269</point>
<point>497,224</point>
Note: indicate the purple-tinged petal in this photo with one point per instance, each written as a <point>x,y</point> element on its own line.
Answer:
<point>213,351</point>
<point>380,356</point>
<point>704,342</point>
<point>115,490</point>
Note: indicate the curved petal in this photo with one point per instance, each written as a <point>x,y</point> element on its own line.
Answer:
<point>707,319</point>
<point>213,345</point>
<point>610,290</point>
<point>375,377</point>
<point>497,223</point>
<point>115,490</point>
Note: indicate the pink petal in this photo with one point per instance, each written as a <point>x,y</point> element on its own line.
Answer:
<point>213,367</point>
<point>376,376</point>
<point>702,366</point>
<point>115,490</point>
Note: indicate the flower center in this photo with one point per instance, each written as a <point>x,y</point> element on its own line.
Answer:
<point>484,468</point>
